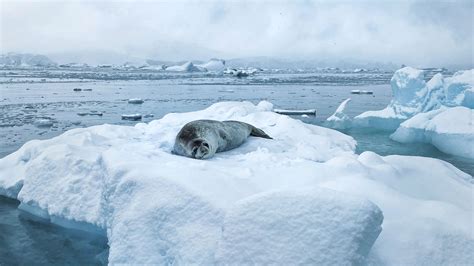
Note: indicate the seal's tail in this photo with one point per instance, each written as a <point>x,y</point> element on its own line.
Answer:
<point>257,132</point>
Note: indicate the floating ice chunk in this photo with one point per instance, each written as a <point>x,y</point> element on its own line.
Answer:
<point>295,112</point>
<point>450,130</point>
<point>91,113</point>
<point>43,122</point>
<point>318,227</point>
<point>340,120</point>
<point>132,117</point>
<point>361,92</point>
<point>135,101</point>
<point>227,90</point>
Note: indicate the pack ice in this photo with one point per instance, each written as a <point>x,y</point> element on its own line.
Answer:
<point>412,95</point>
<point>304,197</point>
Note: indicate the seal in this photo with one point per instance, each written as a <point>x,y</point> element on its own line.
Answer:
<point>201,139</point>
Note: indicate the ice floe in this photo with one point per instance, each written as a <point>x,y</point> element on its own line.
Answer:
<point>306,195</point>
<point>451,130</point>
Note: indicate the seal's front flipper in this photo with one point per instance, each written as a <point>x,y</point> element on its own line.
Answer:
<point>257,132</point>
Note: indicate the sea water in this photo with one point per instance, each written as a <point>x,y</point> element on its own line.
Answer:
<point>80,98</point>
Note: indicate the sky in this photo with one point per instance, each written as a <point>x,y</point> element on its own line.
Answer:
<point>420,33</point>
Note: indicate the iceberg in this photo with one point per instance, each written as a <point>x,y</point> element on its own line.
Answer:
<point>25,60</point>
<point>186,67</point>
<point>451,130</point>
<point>214,65</point>
<point>159,208</point>
<point>412,95</point>
<point>340,120</point>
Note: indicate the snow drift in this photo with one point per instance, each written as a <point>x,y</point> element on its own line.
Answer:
<point>451,130</point>
<point>305,195</point>
<point>412,95</point>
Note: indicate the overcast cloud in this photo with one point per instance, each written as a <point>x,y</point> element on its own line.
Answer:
<point>411,32</point>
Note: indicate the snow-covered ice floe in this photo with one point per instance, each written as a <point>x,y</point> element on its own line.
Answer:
<point>451,130</point>
<point>412,95</point>
<point>303,197</point>
<point>340,120</point>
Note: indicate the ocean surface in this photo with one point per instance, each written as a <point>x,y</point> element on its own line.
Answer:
<point>68,99</point>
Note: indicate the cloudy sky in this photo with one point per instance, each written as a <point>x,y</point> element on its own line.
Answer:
<point>411,32</point>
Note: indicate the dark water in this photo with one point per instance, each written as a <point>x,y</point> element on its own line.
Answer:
<point>25,240</point>
<point>25,98</point>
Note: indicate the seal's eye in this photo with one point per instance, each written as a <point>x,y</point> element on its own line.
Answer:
<point>205,144</point>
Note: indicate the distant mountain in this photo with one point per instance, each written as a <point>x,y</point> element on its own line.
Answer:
<point>25,60</point>
<point>102,57</point>
<point>96,57</point>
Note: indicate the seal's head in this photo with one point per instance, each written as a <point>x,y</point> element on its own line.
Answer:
<point>199,149</point>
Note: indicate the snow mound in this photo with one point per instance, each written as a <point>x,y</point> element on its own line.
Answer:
<point>412,95</point>
<point>159,208</point>
<point>214,65</point>
<point>324,227</point>
<point>186,67</point>
<point>340,120</point>
<point>451,130</point>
